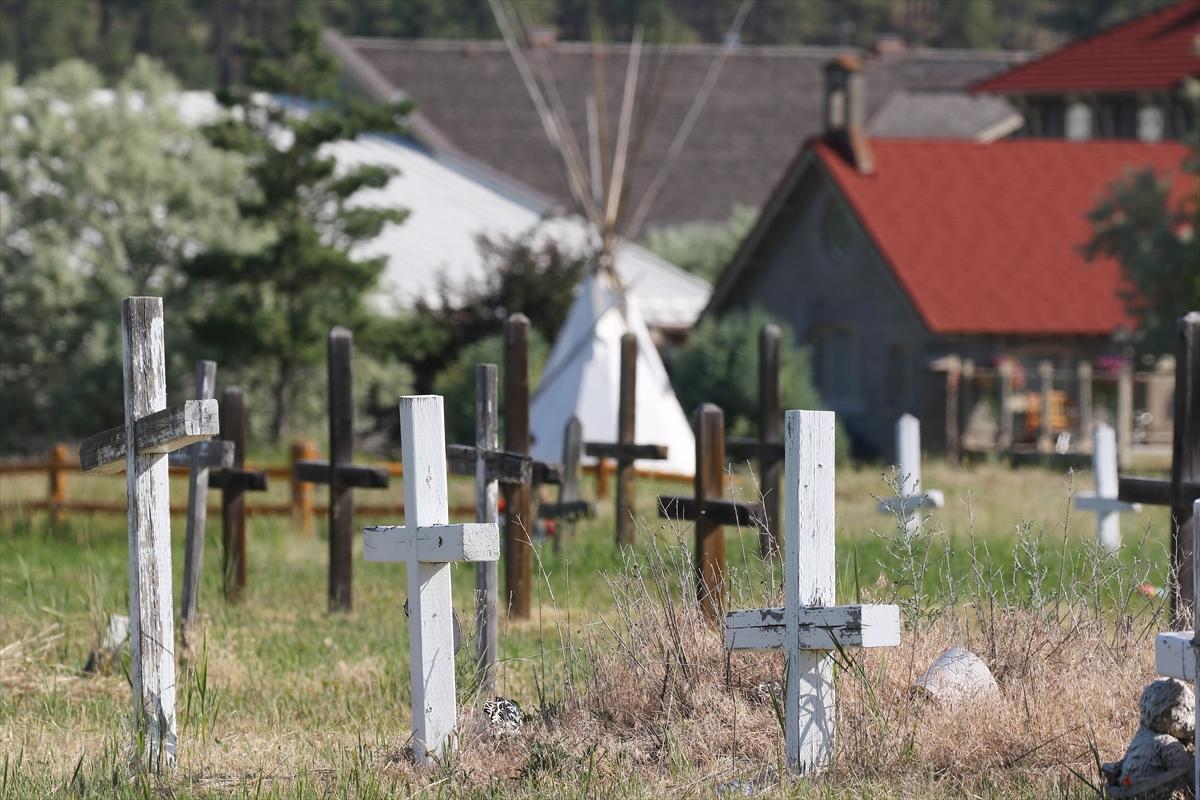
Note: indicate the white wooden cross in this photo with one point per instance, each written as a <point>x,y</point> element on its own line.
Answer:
<point>428,544</point>
<point>1175,653</point>
<point>140,447</point>
<point>911,499</point>
<point>1104,500</point>
<point>809,626</point>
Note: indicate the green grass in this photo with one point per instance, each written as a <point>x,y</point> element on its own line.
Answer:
<point>281,699</point>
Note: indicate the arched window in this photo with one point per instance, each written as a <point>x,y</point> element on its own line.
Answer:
<point>837,365</point>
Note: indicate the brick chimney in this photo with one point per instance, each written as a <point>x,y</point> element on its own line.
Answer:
<point>846,111</point>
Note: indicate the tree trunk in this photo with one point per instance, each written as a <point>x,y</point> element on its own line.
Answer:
<point>284,386</point>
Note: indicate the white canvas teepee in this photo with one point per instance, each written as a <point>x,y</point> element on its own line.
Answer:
<point>583,374</point>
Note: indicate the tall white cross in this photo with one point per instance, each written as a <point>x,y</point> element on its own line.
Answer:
<point>1175,654</point>
<point>428,544</point>
<point>809,626</point>
<point>140,447</point>
<point>1104,500</point>
<point>911,499</point>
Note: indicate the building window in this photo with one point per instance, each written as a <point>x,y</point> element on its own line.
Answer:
<point>836,229</point>
<point>1079,121</point>
<point>1150,123</point>
<point>837,363</point>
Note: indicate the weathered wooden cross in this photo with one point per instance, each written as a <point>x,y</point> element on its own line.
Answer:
<point>708,510</point>
<point>624,450</point>
<point>569,505</point>
<point>198,458</point>
<point>767,449</point>
<point>810,627</point>
<point>151,431</point>
<point>1176,654</point>
<point>518,519</point>
<point>428,544</point>
<point>339,472</point>
<point>1184,486</point>
<point>910,499</point>
<point>490,465</point>
<point>1104,500</point>
<point>234,482</point>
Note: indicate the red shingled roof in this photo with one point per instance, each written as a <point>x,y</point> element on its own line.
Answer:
<point>1151,52</point>
<point>986,238</point>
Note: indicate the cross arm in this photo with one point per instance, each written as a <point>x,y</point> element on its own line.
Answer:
<point>158,433</point>
<point>468,541</point>
<point>930,499</point>
<point>213,453</point>
<point>722,512</point>
<point>1154,492</point>
<point>566,509</point>
<point>352,475</point>
<point>1086,501</point>
<point>821,628</point>
<point>1175,655</point>
<point>744,448</point>
<point>249,480</point>
<point>633,452</point>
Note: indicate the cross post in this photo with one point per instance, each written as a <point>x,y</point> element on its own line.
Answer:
<point>768,447</point>
<point>911,498</point>
<point>427,543</point>
<point>196,458</point>
<point>1177,655</point>
<point>518,527</point>
<point>1184,486</point>
<point>234,482</point>
<point>339,472</point>
<point>809,627</point>
<point>1103,502</point>
<point>708,510</point>
<point>624,450</point>
<point>140,446</point>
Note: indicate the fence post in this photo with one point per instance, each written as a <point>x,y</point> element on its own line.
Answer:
<point>1085,405</point>
<point>58,482</point>
<point>601,478</point>
<point>1124,413</point>
<point>1045,442</point>
<point>953,380</point>
<point>302,491</point>
<point>1006,409</point>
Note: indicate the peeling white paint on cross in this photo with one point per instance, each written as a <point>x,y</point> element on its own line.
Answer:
<point>809,626</point>
<point>1104,500</point>
<point>140,447</point>
<point>911,499</point>
<point>427,543</point>
<point>1175,654</point>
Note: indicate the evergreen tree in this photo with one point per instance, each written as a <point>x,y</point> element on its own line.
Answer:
<point>273,307</point>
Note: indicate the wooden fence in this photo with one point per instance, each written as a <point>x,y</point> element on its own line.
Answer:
<point>59,465</point>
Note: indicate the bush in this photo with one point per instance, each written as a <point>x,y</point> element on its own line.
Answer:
<point>719,365</point>
<point>703,249</point>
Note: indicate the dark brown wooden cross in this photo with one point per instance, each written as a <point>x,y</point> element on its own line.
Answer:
<point>234,483</point>
<point>1184,486</point>
<point>624,450</point>
<point>340,472</point>
<point>518,521</point>
<point>709,510</point>
<point>767,449</point>
<point>569,506</point>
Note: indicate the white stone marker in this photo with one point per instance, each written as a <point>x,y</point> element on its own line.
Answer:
<point>809,625</point>
<point>140,447</point>
<point>1104,500</point>
<point>1175,653</point>
<point>428,544</point>
<point>911,499</point>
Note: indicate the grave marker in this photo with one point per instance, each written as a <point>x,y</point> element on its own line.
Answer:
<point>911,499</point>
<point>708,510</point>
<point>1184,486</point>
<point>624,450</point>
<point>518,533</point>
<point>339,472</point>
<point>1104,500</point>
<point>234,483</point>
<point>810,627</point>
<point>1175,654</point>
<point>428,544</point>
<point>767,449</point>
<point>569,506</point>
<point>151,430</point>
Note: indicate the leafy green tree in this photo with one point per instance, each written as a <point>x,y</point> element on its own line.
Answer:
<point>102,195</point>
<point>1155,240</point>
<point>273,307</point>
<point>701,248</point>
